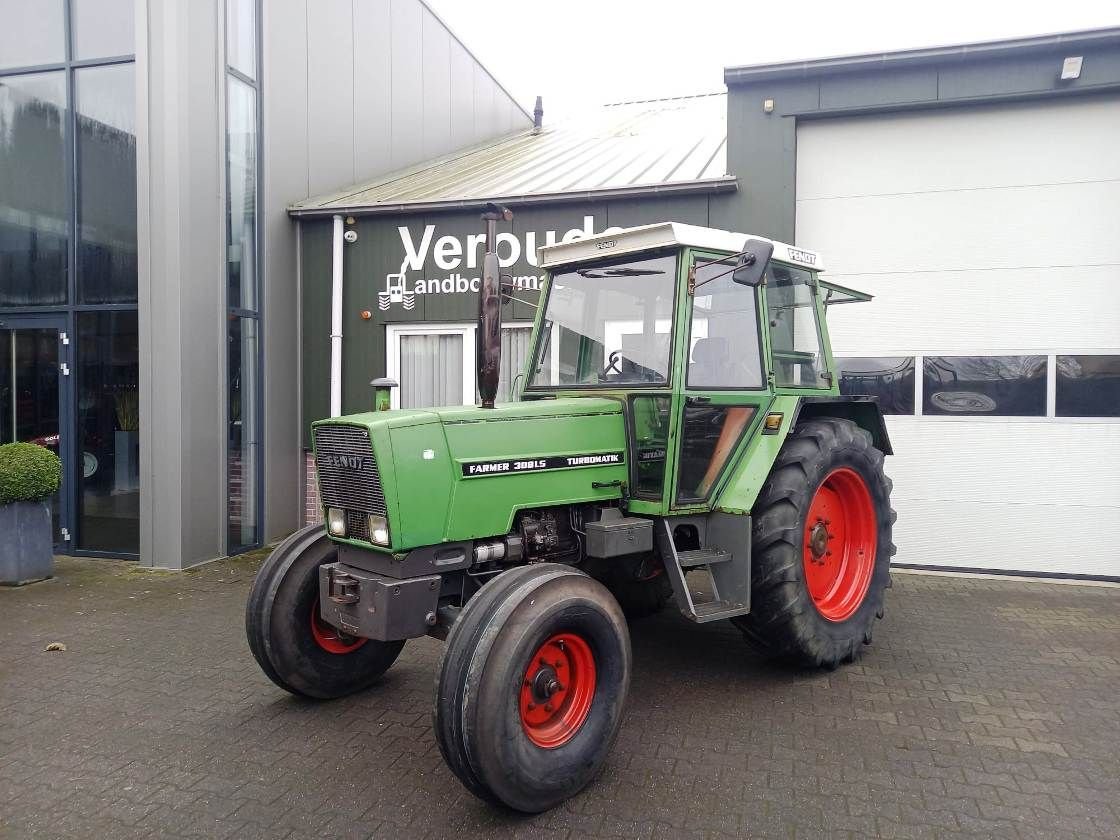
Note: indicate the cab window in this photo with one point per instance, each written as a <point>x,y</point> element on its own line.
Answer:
<point>723,339</point>
<point>795,344</point>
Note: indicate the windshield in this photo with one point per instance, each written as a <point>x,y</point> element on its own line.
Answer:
<point>608,325</point>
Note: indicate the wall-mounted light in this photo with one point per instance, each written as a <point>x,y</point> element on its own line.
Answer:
<point>768,106</point>
<point>1071,68</point>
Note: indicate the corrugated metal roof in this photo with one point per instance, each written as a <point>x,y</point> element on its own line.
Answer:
<point>662,145</point>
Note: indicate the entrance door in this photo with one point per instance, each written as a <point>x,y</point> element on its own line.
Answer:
<point>33,365</point>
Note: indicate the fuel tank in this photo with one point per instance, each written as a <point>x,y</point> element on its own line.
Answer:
<point>451,474</point>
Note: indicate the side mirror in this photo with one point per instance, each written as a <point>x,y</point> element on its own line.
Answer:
<point>753,262</point>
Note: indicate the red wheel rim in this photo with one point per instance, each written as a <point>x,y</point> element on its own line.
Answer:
<point>330,638</point>
<point>839,544</point>
<point>556,693</point>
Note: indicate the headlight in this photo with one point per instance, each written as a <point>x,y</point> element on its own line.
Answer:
<point>378,530</point>
<point>336,522</point>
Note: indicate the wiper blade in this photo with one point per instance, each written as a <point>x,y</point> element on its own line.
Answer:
<point>599,273</point>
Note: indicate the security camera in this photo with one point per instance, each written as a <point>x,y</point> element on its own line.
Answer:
<point>350,236</point>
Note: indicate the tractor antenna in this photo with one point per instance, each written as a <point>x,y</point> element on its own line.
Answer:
<point>488,341</point>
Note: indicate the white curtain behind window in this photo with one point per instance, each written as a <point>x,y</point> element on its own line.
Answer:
<point>515,347</point>
<point>431,370</point>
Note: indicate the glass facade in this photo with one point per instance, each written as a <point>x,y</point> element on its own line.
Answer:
<point>108,409</point>
<point>105,100</point>
<point>68,252</point>
<point>34,190</point>
<point>244,464</point>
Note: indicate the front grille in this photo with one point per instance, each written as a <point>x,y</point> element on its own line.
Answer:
<point>357,526</point>
<point>348,475</point>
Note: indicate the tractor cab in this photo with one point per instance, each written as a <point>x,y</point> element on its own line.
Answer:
<point>696,330</point>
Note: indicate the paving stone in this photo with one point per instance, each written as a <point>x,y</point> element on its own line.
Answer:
<point>984,708</point>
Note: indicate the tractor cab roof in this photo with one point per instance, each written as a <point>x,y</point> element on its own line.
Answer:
<point>667,235</point>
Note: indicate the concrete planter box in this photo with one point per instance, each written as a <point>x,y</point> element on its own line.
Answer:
<point>26,547</point>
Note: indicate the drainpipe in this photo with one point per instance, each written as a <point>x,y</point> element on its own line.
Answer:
<point>336,318</point>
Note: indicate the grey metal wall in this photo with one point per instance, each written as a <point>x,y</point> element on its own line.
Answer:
<point>379,251</point>
<point>181,239</point>
<point>351,88</point>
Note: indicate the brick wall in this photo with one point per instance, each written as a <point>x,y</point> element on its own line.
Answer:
<point>235,488</point>
<point>312,509</point>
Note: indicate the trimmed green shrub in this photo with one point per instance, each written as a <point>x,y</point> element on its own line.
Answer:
<point>28,473</point>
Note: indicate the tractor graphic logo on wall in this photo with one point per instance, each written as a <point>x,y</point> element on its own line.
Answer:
<point>395,292</point>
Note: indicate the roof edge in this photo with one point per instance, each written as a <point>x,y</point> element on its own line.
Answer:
<point>928,55</point>
<point>726,183</point>
<point>476,59</point>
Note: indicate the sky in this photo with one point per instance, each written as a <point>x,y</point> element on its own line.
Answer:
<point>579,53</point>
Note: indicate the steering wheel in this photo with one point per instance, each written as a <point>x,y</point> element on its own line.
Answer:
<point>613,363</point>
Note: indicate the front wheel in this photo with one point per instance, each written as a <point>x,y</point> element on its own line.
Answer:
<point>530,691</point>
<point>821,546</point>
<point>295,648</point>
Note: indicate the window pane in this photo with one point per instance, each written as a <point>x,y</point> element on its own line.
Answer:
<point>244,434</point>
<point>515,348</point>
<point>1012,386</point>
<point>34,207</point>
<point>1088,386</point>
<point>7,389</point>
<point>724,339</point>
<point>103,28</point>
<point>650,418</point>
<point>241,195</point>
<point>708,438</point>
<point>795,345</point>
<point>241,36</point>
<point>108,410</point>
<point>431,370</point>
<point>106,103</point>
<point>31,33</point>
<point>890,378</point>
<point>612,324</point>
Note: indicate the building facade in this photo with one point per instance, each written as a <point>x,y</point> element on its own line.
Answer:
<point>148,287</point>
<point>973,190</point>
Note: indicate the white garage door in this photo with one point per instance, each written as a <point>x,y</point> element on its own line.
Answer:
<point>991,240</point>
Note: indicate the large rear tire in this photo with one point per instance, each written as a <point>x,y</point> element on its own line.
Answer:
<point>531,687</point>
<point>294,647</point>
<point>821,546</point>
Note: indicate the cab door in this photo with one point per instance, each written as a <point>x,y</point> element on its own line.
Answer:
<point>724,393</point>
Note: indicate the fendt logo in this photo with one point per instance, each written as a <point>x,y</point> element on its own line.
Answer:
<point>452,253</point>
<point>806,257</point>
<point>354,463</point>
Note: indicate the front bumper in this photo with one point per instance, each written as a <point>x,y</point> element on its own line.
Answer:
<point>375,606</point>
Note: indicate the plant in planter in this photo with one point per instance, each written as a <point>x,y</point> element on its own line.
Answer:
<point>29,475</point>
<point>126,440</point>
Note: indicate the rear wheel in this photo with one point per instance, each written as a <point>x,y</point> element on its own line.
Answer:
<point>294,646</point>
<point>531,687</point>
<point>821,546</point>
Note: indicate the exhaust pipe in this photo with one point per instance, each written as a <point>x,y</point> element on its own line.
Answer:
<point>488,337</point>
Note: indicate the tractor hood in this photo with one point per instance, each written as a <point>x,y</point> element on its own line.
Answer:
<point>461,473</point>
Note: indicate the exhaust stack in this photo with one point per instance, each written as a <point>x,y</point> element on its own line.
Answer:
<point>488,341</point>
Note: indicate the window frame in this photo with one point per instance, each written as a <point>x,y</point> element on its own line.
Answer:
<point>825,351</point>
<point>542,303</point>
<point>764,367</point>
<point>234,309</point>
<point>394,332</point>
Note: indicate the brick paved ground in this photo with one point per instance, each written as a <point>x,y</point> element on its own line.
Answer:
<point>985,708</point>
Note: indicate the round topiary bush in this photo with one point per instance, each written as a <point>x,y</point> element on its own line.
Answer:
<point>28,473</point>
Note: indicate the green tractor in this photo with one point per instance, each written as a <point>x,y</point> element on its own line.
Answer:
<point>677,435</point>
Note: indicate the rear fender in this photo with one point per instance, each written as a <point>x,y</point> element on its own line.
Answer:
<point>863,411</point>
